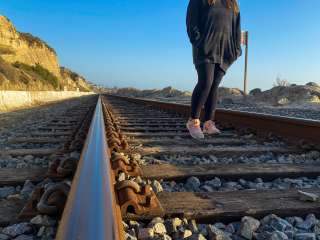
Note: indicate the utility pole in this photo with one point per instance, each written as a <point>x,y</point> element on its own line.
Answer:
<point>245,41</point>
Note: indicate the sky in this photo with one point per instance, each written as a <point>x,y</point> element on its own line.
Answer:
<point>144,43</point>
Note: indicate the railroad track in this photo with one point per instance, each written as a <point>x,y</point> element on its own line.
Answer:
<point>141,176</point>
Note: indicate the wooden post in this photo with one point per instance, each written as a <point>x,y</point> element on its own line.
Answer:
<point>244,41</point>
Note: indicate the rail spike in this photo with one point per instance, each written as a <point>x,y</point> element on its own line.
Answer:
<point>49,201</point>
<point>62,166</point>
<point>53,199</point>
<point>67,167</point>
<point>137,200</point>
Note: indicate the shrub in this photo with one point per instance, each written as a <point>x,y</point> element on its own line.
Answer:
<point>255,91</point>
<point>281,83</point>
<point>44,73</point>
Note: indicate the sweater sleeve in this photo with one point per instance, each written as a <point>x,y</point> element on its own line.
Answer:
<point>238,35</point>
<point>193,16</point>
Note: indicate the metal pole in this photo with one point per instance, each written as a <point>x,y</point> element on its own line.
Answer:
<point>245,82</point>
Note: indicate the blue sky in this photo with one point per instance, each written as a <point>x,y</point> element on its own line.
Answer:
<point>144,43</point>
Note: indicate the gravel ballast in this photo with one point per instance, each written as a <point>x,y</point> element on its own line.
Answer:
<point>270,227</point>
<point>269,157</point>
<point>216,184</point>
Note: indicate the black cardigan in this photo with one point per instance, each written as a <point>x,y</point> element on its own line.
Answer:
<point>214,32</point>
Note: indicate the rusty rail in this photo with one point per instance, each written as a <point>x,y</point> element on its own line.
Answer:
<point>295,130</point>
<point>91,211</point>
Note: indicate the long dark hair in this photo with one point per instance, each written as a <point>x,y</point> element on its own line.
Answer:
<point>232,4</point>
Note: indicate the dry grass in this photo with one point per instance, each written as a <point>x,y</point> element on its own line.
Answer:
<point>43,74</point>
<point>12,78</point>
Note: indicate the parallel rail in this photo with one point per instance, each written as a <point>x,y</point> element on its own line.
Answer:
<point>296,130</point>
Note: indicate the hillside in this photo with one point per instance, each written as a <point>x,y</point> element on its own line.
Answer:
<point>276,96</point>
<point>28,63</point>
<point>167,92</point>
<point>74,80</point>
<point>170,92</point>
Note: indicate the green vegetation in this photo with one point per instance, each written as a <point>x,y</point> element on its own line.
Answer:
<point>32,40</point>
<point>74,75</point>
<point>44,73</point>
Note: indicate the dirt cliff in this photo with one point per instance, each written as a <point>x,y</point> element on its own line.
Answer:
<point>29,63</point>
<point>25,48</point>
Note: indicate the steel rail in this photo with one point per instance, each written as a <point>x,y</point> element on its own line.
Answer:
<point>292,129</point>
<point>91,211</point>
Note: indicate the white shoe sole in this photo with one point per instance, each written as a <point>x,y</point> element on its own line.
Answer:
<point>216,133</point>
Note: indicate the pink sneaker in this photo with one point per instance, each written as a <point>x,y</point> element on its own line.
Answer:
<point>194,128</point>
<point>210,128</point>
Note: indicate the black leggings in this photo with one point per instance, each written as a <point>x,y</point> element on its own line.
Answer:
<point>206,91</point>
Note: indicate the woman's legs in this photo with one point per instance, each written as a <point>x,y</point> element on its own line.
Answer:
<point>206,72</point>
<point>211,102</point>
<point>199,97</point>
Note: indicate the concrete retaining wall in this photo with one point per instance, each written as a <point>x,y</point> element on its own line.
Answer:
<point>10,100</point>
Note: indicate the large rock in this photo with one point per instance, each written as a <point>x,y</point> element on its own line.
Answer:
<point>156,186</point>
<point>248,226</point>
<point>310,221</point>
<point>293,94</point>
<point>193,184</point>
<point>312,84</point>
<point>159,228</point>
<point>216,234</point>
